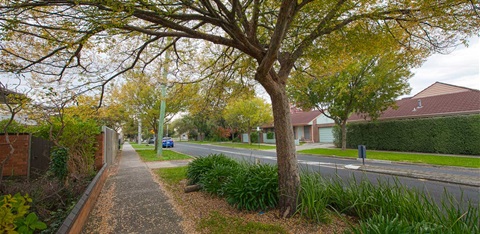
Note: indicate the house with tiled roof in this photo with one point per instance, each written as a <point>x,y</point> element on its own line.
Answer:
<point>439,99</point>
<point>304,125</point>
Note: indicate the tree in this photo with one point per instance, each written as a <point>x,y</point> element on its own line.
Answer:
<point>66,36</point>
<point>248,114</point>
<point>11,103</point>
<point>143,101</point>
<point>367,85</point>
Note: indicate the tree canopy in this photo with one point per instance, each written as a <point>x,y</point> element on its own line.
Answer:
<point>246,115</point>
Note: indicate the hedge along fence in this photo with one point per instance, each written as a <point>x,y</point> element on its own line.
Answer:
<point>448,135</point>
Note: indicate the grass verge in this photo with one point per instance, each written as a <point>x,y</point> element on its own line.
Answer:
<point>173,175</point>
<point>217,223</point>
<point>245,146</point>
<point>472,162</point>
<point>151,155</point>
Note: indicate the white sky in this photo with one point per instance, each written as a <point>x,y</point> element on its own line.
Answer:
<point>460,67</point>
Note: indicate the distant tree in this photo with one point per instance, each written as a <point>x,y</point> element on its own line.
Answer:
<point>365,83</point>
<point>141,97</point>
<point>247,114</point>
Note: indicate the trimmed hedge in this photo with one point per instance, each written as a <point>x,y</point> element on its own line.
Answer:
<point>448,135</point>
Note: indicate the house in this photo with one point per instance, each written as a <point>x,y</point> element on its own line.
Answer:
<point>306,126</point>
<point>439,99</point>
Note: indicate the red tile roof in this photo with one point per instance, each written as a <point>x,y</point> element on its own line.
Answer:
<point>303,118</point>
<point>467,102</point>
<point>300,118</point>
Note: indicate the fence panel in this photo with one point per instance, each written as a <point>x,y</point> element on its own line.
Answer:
<point>39,156</point>
<point>110,144</point>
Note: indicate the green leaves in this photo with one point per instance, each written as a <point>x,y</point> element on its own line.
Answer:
<point>245,186</point>
<point>247,114</point>
<point>12,215</point>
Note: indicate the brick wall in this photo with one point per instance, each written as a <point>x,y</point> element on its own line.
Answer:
<point>17,164</point>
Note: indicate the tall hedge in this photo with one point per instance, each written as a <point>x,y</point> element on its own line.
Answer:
<point>448,135</point>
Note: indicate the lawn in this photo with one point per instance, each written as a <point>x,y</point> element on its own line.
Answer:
<point>201,142</point>
<point>473,162</point>
<point>148,154</point>
<point>245,145</point>
<point>173,175</point>
<point>142,146</point>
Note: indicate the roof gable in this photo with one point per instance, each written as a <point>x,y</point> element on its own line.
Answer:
<point>467,102</point>
<point>304,118</point>
<point>439,88</point>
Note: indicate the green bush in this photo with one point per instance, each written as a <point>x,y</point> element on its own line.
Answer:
<point>254,137</point>
<point>380,224</point>
<point>58,162</point>
<point>270,135</point>
<point>253,187</point>
<point>79,136</point>
<point>200,166</point>
<point>385,207</point>
<point>448,135</point>
<point>214,180</point>
<point>14,127</point>
<point>313,198</point>
<point>15,216</point>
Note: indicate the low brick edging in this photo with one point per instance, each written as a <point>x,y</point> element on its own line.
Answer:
<point>79,215</point>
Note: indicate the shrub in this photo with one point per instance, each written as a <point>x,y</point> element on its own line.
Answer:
<point>254,137</point>
<point>79,136</point>
<point>199,166</point>
<point>449,135</point>
<point>15,216</point>
<point>214,180</point>
<point>14,127</point>
<point>385,207</point>
<point>270,135</point>
<point>253,187</point>
<point>313,198</point>
<point>58,163</point>
<point>380,224</point>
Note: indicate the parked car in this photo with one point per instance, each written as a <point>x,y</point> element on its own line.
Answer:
<point>151,140</point>
<point>167,142</point>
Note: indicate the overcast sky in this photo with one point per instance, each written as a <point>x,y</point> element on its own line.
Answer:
<point>461,67</point>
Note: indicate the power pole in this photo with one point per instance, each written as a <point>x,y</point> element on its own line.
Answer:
<point>139,136</point>
<point>161,119</point>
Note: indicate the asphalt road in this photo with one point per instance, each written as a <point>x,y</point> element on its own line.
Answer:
<point>434,184</point>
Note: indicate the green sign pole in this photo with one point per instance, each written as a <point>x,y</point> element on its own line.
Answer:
<point>161,118</point>
<point>161,121</point>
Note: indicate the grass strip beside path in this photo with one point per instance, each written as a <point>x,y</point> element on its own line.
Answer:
<point>150,155</point>
<point>173,175</point>
<point>246,146</point>
<point>459,161</point>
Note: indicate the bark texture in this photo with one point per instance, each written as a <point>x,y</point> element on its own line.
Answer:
<point>288,177</point>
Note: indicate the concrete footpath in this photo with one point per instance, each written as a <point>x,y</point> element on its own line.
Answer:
<point>132,202</point>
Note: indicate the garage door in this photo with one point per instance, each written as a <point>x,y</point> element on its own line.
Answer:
<point>326,135</point>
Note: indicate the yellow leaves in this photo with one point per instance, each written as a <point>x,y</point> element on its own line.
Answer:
<point>247,113</point>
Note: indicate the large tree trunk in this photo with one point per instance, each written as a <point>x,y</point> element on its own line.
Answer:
<point>288,177</point>
<point>344,134</point>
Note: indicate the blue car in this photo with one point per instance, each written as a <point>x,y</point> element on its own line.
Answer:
<point>167,142</point>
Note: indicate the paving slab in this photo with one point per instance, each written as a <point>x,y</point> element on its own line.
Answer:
<point>136,203</point>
